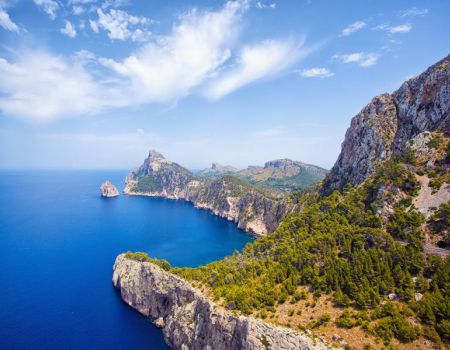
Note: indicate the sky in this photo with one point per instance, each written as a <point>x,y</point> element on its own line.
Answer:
<point>95,84</point>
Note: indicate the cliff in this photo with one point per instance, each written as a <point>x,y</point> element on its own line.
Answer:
<point>191,321</point>
<point>384,128</point>
<point>107,189</point>
<point>255,210</point>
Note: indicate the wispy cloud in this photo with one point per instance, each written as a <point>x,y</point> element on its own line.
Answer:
<point>42,87</point>
<point>256,62</point>
<point>69,30</point>
<point>414,12</point>
<point>261,5</point>
<point>6,22</point>
<point>204,53</point>
<point>363,59</point>
<point>316,73</point>
<point>352,28</point>
<point>401,28</point>
<point>50,7</point>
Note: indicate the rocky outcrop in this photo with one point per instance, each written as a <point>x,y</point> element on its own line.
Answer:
<point>386,125</point>
<point>107,189</point>
<point>191,321</point>
<point>254,210</point>
<point>218,170</point>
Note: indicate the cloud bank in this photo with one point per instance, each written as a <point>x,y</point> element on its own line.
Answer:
<point>203,54</point>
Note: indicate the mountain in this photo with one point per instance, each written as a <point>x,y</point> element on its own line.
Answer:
<point>217,170</point>
<point>254,209</point>
<point>390,122</point>
<point>362,263</point>
<point>283,174</point>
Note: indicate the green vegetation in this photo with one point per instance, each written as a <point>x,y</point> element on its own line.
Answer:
<point>147,184</point>
<point>143,257</point>
<point>339,246</point>
<point>303,180</point>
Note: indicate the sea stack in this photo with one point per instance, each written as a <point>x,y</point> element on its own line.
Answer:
<point>107,189</point>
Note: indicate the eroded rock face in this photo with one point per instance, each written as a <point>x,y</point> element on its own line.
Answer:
<point>107,189</point>
<point>227,197</point>
<point>191,321</point>
<point>385,126</point>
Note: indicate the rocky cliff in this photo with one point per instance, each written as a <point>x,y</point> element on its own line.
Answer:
<point>384,127</point>
<point>191,321</point>
<point>254,210</point>
<point>107,189</point>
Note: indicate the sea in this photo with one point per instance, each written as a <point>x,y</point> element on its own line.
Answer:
<point>58,243</point>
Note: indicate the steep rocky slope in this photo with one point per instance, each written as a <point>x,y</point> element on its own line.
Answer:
<point>191,321</point>
<point>385,126</point>
<point>254,210</point>
<point>107,189</point>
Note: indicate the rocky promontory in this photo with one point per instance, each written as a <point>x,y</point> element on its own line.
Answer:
<point>108,190</point>
<point>255,210</point>
<point>189,320</point>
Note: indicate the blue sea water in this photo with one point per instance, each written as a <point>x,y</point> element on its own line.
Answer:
<point>58,242</point>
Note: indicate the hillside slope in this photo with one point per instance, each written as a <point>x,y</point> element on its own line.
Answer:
<point>352,265</point>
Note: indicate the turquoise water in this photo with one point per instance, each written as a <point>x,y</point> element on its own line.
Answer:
<point>58,242</point>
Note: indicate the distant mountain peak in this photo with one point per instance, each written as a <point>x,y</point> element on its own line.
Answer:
<point>154,154</point>
<point>279,163</point>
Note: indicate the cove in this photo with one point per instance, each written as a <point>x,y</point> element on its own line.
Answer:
<point>58,242</point>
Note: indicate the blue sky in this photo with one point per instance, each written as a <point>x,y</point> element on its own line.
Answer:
<point>95,84</point>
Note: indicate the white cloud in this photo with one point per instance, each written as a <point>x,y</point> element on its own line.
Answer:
<point>414,12</point>
<point>78,10</point>
<point>118,23</point>
<point>6,22</point>
<point>256,62</point>
<point>69,30</point>
<point>261,5</point>
<point>352,28</point>
<point>50,7</point>
<point>169,67</point>
<point>316,73</point>
<point>201,54</point>
<point>42,87</point>
<point>402,28</point>
<point>363,59</point>
<point>114,3</point>
<point>94,25</point>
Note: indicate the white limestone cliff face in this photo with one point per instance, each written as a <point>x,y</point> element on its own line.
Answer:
<point>107,189</point>
<point>227,197</point>
<point>385,126</point>
<point>189,320</point>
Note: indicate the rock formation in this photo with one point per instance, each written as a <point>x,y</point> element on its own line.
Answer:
<point>385,126</point>
<point>107,189</point>
<point>218,170</point>
<point>254,210</point>
<point>191,321</point>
